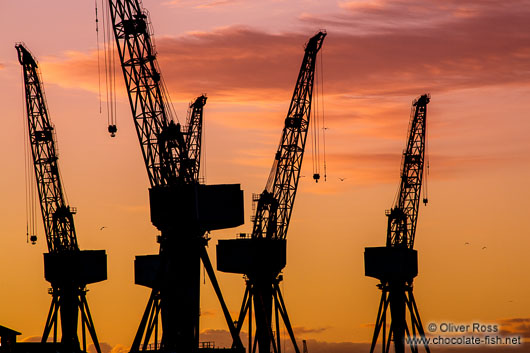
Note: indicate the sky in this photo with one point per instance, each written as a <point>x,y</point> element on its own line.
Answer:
<point>471,56</point>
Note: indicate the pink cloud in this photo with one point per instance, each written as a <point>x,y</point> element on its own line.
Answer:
<point>241,64</point>
<point>202,4</point>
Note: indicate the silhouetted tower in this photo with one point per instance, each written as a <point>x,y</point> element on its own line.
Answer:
<point>396,264</point>
<point>181,208</point>
<point>67,268</point>
<point>262,257</point>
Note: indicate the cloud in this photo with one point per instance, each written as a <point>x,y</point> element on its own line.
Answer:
<point>405,49</point>
<point>384,16</point>
<point>221,338</point>
<point>399,47</point>
<point>516,326</point>
<point>120,348</point>
<point>216,3</point>
<point>201,4</point>
<point>208,312</point>
<point>378,56</point>
<point>315,346</point>
<point>301,330</point>
<point>74,70</point>
<point>104,346</point>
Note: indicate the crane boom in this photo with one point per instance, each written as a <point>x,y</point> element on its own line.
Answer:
<point>161,140</point>
<point>403,217</point>
<point>57,216</point>
<point>194,136</point>
<point>275,203</point>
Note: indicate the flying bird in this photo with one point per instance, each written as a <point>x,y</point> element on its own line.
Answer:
<point>466,243</point>
<point>103,227</point>
<point>342,179</point>
<point>484,247</point>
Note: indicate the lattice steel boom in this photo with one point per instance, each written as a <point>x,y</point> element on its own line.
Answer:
<point>194,136</point>
<point>403,217</point>
<point>275,204</point>
<point>162,140</point>
<point>57,216</point>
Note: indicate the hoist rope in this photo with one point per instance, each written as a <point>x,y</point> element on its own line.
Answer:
<point>27,185</point>
<point>97,48</point>
<point>202,151</point>
<point>323,109</point>
<point>426,166</point>
<point>110,69</point>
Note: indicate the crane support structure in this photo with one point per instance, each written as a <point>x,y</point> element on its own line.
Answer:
<point>67,268</point>
<point>396,264</point>
<point>182,208</point>
<point>262,257</point>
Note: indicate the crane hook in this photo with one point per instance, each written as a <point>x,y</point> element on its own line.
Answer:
<point>112,130</point>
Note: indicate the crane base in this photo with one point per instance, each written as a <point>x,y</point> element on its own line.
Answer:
<point>84,267</point>
<point>208,206</point>
<point>146,271</point>
<point>389,264</point>
<point>252,255</point>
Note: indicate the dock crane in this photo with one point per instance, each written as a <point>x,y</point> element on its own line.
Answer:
<point>66,267</point>
<point>262,257</point>
<point>182,209</point>
<point>396,264</point>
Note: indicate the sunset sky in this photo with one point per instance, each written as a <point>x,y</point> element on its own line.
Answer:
<point>472,56</point>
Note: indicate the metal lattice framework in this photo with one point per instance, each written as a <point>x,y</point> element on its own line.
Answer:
<point>172,159</point>
<point>193,136</point>
<point>56,215</point>
<point>396,264</point>
<point>68,287</point>
<point>161,140</point>
<point>403,216</point>
<point>275,203</point>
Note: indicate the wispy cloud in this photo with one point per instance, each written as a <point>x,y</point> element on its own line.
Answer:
<point>202,4</point>
<point>105,348</point>
<point>516,326</point>
<point>301,330</point>
<point>238,64</point>
<point>371,74</point>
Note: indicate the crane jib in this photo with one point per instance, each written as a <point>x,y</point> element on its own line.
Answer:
<point>274,210</point>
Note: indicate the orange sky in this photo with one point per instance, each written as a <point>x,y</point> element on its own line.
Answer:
<point>472,56</point>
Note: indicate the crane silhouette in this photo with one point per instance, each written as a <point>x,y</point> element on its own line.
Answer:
<point>396,264</point>
<point>66,267</point>
<point>262,257</point>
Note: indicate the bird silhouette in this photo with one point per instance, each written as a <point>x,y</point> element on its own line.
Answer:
<point>342,179</point>
<point>484,247</point>
<point>102,227</point>
<point>466,243</point>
